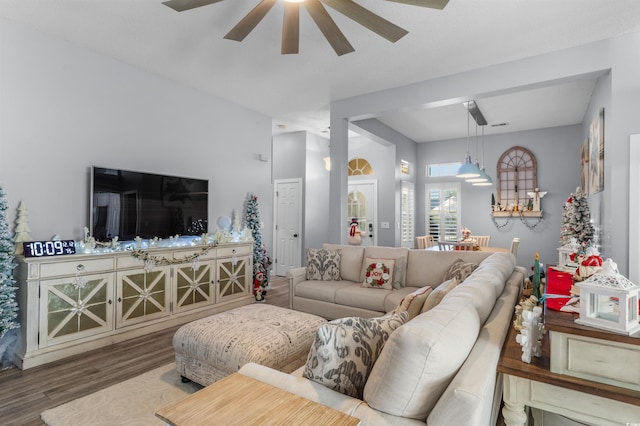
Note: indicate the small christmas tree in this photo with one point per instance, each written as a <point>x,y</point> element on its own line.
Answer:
<point>576,220</point>
<point>22,228</point>
<point>261,262</point>
<point>8,304</point>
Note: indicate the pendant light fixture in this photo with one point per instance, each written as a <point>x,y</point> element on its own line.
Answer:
<point>486,179</point>
<point>468,169</point>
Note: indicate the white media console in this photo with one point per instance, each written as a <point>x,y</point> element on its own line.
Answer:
<point>74,303</point>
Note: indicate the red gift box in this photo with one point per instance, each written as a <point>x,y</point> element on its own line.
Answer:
<point>558,283</point>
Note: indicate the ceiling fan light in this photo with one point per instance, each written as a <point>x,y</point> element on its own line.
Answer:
<point>468,169</point>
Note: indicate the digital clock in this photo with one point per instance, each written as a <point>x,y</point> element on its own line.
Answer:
<point>48,248</point>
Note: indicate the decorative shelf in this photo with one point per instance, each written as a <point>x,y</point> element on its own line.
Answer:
<point>518,213</point>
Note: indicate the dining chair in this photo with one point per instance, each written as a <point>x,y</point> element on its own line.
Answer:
<point>424,241</point>
<point>514,246</point>
<point>453,245</point>
<point>482,240</point>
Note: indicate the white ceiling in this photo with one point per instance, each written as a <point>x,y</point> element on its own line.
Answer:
<point>296,90</point>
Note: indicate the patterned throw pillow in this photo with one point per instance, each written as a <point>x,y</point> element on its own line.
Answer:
<point>323,264</point>
<point>346,349</point>
<point>378,273</point>
<point>412,302</point>
<point>438,294</point>
<point>460,270</point>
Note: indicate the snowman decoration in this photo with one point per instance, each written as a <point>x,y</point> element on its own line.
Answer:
<point>354,237</point>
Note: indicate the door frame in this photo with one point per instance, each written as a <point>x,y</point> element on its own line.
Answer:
<point>298,255</point>
<point>374,182</point>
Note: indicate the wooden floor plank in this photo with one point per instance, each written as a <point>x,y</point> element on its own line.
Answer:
<point>24,394</point>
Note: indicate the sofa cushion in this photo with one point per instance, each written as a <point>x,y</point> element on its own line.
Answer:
<point>413,302</point>
<point>350,262</point>
<point>345,350</point>
<point>378,273</point>
<point>438,294</point>
<point>426,267</point>
<point>321,290</point>
<point>360,297</point>
<point>398,254</point>
<point>323,264</point>
<point>460,270</point>
<point>421,358</point>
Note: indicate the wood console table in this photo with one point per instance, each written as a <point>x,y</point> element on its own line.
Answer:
<point>534,385</point>
<point>241,400</point>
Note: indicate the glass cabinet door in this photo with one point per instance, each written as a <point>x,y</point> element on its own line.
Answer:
<point>142,295</point>
<point>75,307</point>
<point>234,277</point>
<point>194,287</point>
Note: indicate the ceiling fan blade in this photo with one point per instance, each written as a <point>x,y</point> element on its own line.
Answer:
<point>331,32</point>
<point>368,19</point>
<point>290,28</point>
<point>249,22</point>
<point>433,4</point>
<point>182,5</point>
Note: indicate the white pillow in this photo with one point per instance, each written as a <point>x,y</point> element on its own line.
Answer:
<point>420,359</point>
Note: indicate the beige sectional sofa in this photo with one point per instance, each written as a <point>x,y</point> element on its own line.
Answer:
<point>439,368</point>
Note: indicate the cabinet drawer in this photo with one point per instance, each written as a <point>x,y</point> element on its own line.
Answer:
<point>128,262</point>
<point>238,250</point>
<point>71,268</point>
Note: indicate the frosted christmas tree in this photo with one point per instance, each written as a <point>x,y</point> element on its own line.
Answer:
<point>22,228</point>
<point>576,220</point>
<point>8,304</point>
<point>261,262</point>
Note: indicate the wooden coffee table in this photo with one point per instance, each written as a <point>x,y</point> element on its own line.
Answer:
<point>238,399</point>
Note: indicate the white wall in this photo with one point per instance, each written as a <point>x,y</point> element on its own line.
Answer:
<point>64,109</point>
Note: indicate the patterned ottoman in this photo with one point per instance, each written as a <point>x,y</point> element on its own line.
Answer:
<point>214,347</point>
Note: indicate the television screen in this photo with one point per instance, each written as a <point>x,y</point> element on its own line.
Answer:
<point>130,204</point>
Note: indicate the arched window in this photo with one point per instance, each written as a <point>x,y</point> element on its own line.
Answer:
<point>360,166</point>
<point>517,175</point>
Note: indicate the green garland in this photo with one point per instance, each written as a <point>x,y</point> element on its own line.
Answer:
<point>146,257</point>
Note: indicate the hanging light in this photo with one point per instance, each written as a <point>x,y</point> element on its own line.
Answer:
<point>468,169</point>
<point>486,179</point>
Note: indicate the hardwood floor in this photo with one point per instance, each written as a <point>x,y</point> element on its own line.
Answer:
<point>25,394</point>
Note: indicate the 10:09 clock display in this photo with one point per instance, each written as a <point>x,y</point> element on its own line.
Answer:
<point>49,248</point>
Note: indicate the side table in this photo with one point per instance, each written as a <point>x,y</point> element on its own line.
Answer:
<point>535,385</point>
<point>242,400</point>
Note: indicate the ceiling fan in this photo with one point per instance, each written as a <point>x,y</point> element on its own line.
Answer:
<point>328,27</point>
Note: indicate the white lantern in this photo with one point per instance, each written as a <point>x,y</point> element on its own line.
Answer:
<point>609,301</point>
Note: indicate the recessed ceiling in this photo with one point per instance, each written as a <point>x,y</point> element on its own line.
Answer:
<point>296,90</point>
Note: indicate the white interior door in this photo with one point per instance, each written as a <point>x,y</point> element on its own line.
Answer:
<point>362,204</point>
<point>288,214</point>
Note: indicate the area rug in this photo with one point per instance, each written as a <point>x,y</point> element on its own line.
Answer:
<point>132,402</point>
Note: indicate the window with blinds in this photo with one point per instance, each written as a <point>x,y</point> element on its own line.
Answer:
<point>443,210</point>
<point>407,207</point>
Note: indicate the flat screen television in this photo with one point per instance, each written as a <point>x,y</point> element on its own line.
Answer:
<point>130,204</point>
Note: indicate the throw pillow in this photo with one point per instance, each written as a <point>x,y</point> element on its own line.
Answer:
<point>323,264</point>
<point>346,349</point>
<point>413,302</point>
<point>438,294</point>
<point>378,273</point>
<point>460,270</point>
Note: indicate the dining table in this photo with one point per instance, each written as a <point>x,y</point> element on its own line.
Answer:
<point>489,249</point>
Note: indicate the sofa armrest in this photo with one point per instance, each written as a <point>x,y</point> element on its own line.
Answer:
<point>295,276</point>
<point>302,387</point>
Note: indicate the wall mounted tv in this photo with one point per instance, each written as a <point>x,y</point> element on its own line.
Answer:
<point>128,204</point>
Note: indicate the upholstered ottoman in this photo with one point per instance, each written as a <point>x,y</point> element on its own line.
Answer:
<point>214,347</point>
